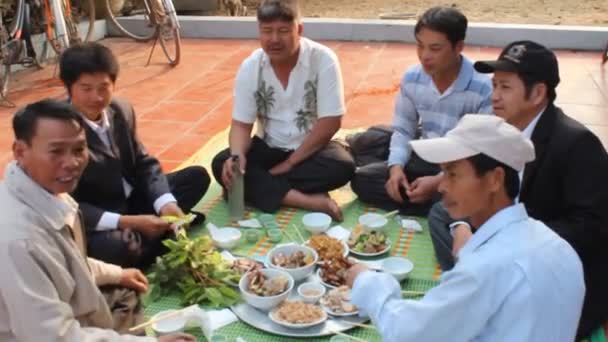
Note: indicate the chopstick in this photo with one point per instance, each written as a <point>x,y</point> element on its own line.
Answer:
<point>413,293</point>
<point>298,232</point>
<point>361,325</point>
<point>158,319</point>
<point>288,235</point>
<point>391,213</point>
<point>347,335</point>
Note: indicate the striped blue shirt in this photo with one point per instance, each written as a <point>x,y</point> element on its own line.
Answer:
<point>419,101</point>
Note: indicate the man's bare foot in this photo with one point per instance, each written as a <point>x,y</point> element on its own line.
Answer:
<point>316,202</point>
<point>333,210</point>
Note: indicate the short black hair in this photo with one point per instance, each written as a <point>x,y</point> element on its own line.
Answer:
<point>284,10</point>
<point>26,119</point>
<point>446,20</point>
<point>483,164</point>
<point>529,82</point>
<point>87,58</point>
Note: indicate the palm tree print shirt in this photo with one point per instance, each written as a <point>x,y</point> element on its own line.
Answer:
<point>285,116</point>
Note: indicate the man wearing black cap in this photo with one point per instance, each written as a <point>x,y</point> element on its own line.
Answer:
<point>563,186</point>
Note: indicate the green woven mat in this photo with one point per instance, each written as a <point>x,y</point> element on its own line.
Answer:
<point>415,246</point>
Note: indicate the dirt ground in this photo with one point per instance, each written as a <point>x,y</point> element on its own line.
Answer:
<point>555,12</point>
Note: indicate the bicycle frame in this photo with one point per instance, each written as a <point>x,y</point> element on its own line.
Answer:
<point>54,12</point>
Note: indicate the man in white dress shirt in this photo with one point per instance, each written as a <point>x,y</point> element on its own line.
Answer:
<point>516,280</point>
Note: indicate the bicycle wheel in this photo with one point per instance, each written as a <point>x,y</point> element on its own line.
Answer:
<point>86,7</point>
<point>142,8</point>
<point>170,42</point>
<point>5,65</point>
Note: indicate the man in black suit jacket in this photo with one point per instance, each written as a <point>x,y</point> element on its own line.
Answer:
<point>564,186</point>
<point>123,190</point>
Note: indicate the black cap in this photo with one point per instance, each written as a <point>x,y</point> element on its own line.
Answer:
<point>526,57</point>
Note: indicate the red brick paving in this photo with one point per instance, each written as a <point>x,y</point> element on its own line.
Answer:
<point>180,108</point>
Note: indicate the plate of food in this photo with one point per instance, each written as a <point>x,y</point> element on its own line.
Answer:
<point>368,243</point>
<point>327,247</point>
<point>337,302</point>
<point>242,266</point>
<point>332,273</point>
<point>297,315</point>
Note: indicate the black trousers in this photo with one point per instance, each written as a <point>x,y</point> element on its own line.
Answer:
<point>129,248</point>
<point>439,227</point>
<point>369,181</point>
<point>329,168</point>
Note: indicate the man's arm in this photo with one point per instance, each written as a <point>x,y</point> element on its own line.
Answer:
<point>405,123</point>
<point>239,137</point>
<point>456,310</point>
<point>582,218</point>
<point>35,311</point>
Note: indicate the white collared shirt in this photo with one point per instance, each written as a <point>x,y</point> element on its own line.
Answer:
<point>285,116</point>
<point>527,133</point>
<point>109,220</point>
<point>516,280</point>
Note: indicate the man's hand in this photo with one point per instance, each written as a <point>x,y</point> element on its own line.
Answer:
<point>423,188</point>
<point>396,180</point>
<point>353,272</point>
<point>132,278</point>
<point>171,209</point>
<point>227,174</point>
<point>149,225</point>
<point>177,338</point>
<point>462,234</point>
<point>281,168</point>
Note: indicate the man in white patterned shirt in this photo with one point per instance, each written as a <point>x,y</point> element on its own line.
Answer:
<point>293,88</point>
<point>433,96</point>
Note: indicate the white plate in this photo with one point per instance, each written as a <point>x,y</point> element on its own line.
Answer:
<point>296,325</point>
<point>338,314</point>
<point>344,246</point>
<point>323,282</point>
<point>388,248</point>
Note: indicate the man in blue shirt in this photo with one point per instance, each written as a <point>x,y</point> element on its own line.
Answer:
<point>516,279</point>
<point>434,94</point>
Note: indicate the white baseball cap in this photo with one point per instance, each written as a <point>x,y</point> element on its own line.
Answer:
<point>475,134</point>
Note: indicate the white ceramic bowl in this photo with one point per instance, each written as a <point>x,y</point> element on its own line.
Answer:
<point>398,267</point>
<point>170,325</point>
<point>316,223</point>
<point>311,286</point>
<point>288,249</point>
<point>373,221</point>
<point>226,238</point>
<point>265,303</point>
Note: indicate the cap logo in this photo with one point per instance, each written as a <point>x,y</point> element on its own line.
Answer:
<point>515,53</point>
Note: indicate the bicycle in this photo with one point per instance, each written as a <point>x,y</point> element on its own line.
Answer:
<point>62,25</point>
<point>16,32</point>
<point>162,25</point>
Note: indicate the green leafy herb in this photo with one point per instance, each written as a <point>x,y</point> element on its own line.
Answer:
<point>194,269</point>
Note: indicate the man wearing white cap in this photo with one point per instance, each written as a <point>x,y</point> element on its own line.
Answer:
<point>564,187</point>
<point>516,280</point>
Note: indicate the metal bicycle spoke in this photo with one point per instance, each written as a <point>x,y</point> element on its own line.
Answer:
<point>143,9</point>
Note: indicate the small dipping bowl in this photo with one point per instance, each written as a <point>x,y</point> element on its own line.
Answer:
<point>373,221</point>
<point>316,223</point>
<point>275,235</point>
<point>252,235</point>
<point>226,238</point>
<point>306,290</point>
<point>170,325</point>
<point>398,267</point>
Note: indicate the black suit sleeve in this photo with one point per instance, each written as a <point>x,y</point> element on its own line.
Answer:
<point>91,214</point>
<point>149,176</point>
<point>583,215</point>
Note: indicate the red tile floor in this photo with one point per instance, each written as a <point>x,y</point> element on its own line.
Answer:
<point>180,108</point>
